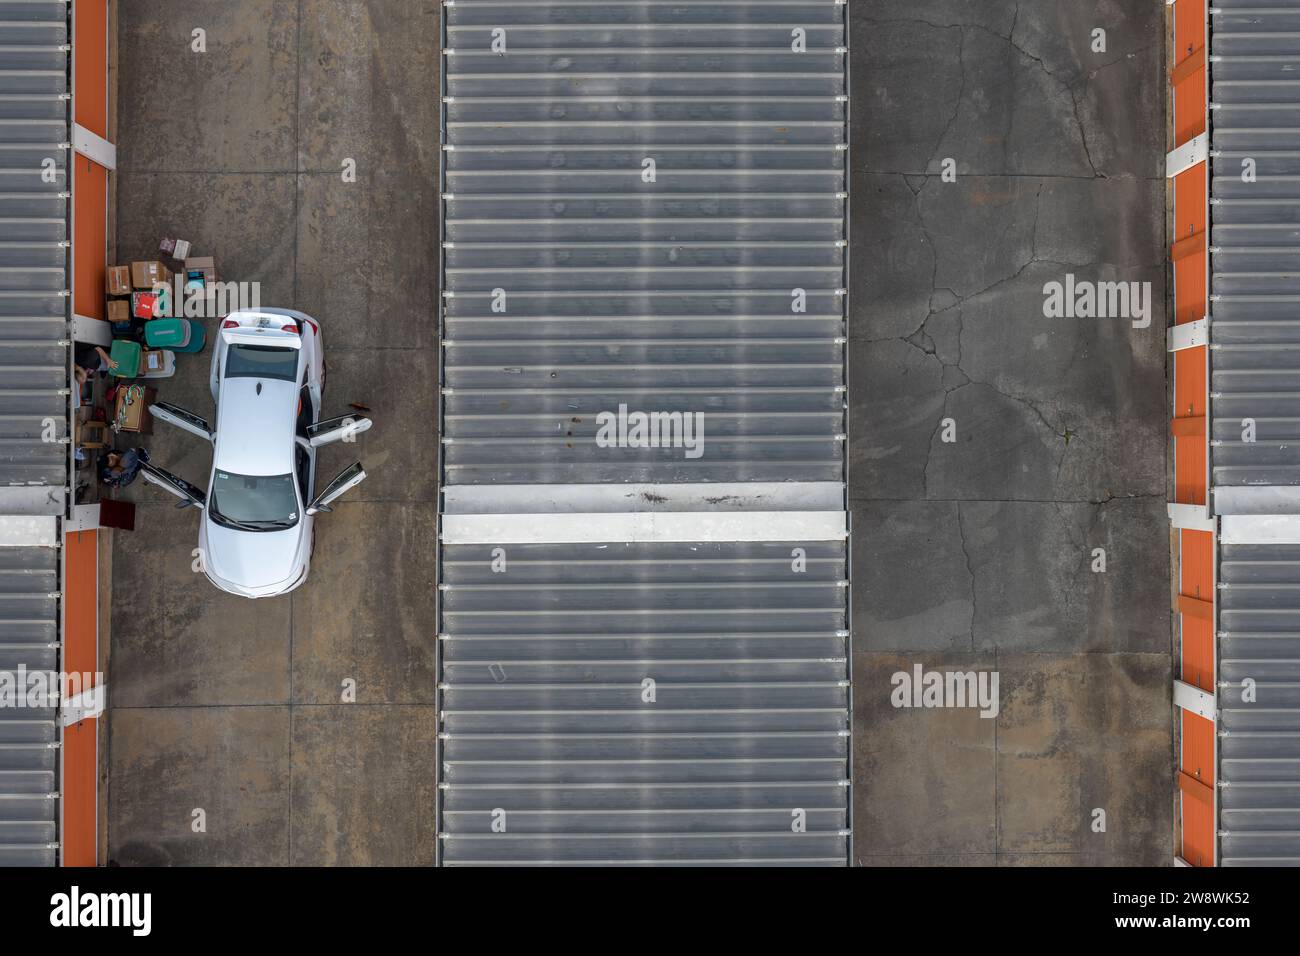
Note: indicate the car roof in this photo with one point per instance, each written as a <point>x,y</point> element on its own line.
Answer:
<point>255,430</point>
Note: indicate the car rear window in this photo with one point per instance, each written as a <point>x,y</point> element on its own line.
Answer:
<point>262,361</point>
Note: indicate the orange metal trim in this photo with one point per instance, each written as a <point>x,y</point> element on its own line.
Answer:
<point>1189,786</point>
<point>1188,66</point>
<point>1188,80</point>
<point>80,816</point>
<point>1189,246</point>
<point>80,611</point>
<point>1188,427</point>
<point>1195,607</point>
<point>89,236</point>
<point>90,65</point>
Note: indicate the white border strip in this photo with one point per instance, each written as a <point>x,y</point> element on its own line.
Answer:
<point>1193,699</point>
<point>659,497</point>
<point>1187,336</point>
<point>89,703</point>
<point>1182,158</point>
<point>1260,529</point>
<point>94,331</point>
<point>1190,517</point>
<point>94,147</point>
<point>29,531</point>
<point>592,528</point>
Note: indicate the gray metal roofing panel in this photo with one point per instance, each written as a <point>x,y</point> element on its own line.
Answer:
<point>1255,241</point>
<point>29,615</point>
<point>33,232</point>
<point>542,671</point>
<point>1259,744</point>
<point>34,127</point>
<point>674,295</point>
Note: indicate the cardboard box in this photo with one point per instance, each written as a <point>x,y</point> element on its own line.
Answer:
<point>146,275</point>
<point>134,417</point>
<point>119,311</point>
<point>202,264</point>
<point>152,361</point>
<point>144,305</point>
<point>117,280</point>
<point>174,248</point>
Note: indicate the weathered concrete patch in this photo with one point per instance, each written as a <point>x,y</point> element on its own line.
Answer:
<point>231,763</point>
<point>366,613</point>
<point>363,792</point>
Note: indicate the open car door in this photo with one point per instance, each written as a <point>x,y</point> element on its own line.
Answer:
<point>190,495</point>
<point>344,428</point>
<point>181,418</point>
<point>348,478</point>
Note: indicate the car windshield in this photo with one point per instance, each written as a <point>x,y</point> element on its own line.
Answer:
<point>253,502</point>
<point>262,361</point>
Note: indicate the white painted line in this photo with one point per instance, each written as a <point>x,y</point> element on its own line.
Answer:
<point>1259,529</point>
<point>589,528</point>
<point>29,531</point>
<point>668,497</point>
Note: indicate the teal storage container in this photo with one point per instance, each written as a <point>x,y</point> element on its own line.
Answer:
<point>179,335</point>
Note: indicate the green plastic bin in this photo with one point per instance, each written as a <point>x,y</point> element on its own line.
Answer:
<point>179,335</point>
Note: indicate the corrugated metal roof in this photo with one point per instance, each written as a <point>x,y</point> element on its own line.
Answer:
<point>578,279</point>
<point>1259,747</point>
<point>29,616</point>
<point>33,404</point>
<point>1255,371</point>
<point>547,722</point>
<point>572,285</point>
<point>33,234</point>
<point>1255,241</point>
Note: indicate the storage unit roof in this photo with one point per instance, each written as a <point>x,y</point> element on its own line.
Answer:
<point>556,748</point>
<point>644,211</point>
<point>34,155</point>
<point>1255,375</point>
<point>645,208</point>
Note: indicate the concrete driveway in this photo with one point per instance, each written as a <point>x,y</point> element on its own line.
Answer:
<point>978,553</point>
<point>230,706</point>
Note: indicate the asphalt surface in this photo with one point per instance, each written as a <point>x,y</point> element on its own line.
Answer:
<point>235,706</point>
<point>977,554</point>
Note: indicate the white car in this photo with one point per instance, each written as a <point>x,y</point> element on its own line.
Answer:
<point>268,373</point>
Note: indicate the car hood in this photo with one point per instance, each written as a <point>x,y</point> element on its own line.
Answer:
<point>253,559</point>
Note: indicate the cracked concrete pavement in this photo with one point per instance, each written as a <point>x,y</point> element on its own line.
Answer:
<point>234,706</point>
<point>979,553</point>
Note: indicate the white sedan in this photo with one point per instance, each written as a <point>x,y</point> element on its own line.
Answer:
<point>268,374</point>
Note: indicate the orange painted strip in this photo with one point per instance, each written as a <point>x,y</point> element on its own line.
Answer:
<point>90,66</point>
<point>1191,787</point>
<point>1189,246</point>
<point>80,602</point>
<point>1198,753</point>
<point>1188,66</point>
<point>1195,607</point>
<point>80,815</point>
<point>89,236</point>
<point>1189,221</point>
<point>1188,85</point>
